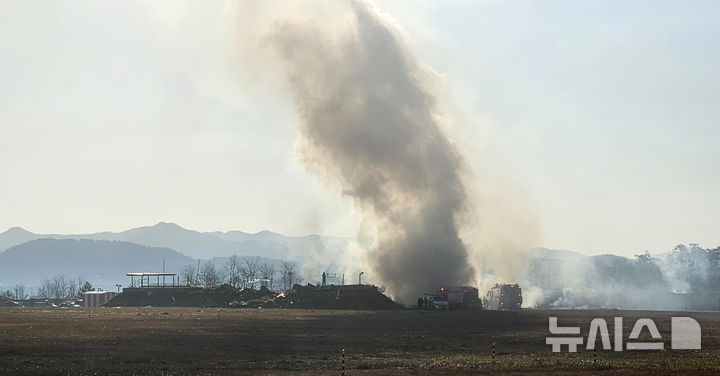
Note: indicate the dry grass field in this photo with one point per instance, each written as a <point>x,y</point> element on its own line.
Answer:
<point>195,341</point>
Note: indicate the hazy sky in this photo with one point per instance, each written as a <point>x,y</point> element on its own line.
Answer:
<point>116,114</point>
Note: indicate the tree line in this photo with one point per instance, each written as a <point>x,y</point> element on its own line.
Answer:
<point>57,287</point>
<point>239,272</point>
<point>695,269</point>
<point>688,268</point>
<point>246,272</point>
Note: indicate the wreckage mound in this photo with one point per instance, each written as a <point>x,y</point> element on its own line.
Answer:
<point>168,297</point>
<point>356,297</point>
<point>337,297</point>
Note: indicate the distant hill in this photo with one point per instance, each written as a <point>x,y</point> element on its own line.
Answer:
<point>104,263</point>
<point>15,236</point>
<point>203,245</point>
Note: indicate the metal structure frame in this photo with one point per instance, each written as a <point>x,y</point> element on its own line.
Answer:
<point>145,280</point>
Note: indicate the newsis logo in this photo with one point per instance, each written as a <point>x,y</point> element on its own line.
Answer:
<point>684,332</point>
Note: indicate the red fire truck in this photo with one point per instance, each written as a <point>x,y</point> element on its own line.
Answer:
<point>461,297</point>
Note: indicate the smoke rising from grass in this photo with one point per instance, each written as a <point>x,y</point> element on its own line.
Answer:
<point>682,279</point>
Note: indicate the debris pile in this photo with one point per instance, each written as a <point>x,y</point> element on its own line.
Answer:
<point>308,297</point>
<point>337,297</point>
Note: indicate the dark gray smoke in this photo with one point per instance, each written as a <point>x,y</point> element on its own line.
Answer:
<point>368,120</point>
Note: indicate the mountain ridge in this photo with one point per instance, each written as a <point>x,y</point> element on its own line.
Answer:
<point>103,262</point>
<point>200,244</point>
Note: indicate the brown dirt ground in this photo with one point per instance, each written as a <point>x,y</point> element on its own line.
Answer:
<point>195,341</point>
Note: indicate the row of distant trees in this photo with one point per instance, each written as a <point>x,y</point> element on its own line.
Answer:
<point>19,292</point>
<point>239,272</point>
<point>57,287</point>
<point>697,267</point>
<point>688,268</point>
<point>242,272</point>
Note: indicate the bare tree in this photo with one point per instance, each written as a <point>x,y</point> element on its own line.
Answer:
<point>188,274</point>
<point>57,287</point>
<point>61,287</point>
<point>267,274</point>
<point>210,277</point>
<point>44,290</point>
<point>73,288</point>
<point>249,271</point>
<point>19,292</point>
<point>288,275</point>
<point>80,285</point>
<point>232,271</point>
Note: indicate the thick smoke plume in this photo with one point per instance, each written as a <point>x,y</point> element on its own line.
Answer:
<point>368,118</point>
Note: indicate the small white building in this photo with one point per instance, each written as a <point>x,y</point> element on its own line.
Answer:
<point>97,298</point>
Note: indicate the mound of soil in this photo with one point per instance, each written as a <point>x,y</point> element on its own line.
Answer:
<point>309,297</point>
<point>337,297</point>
